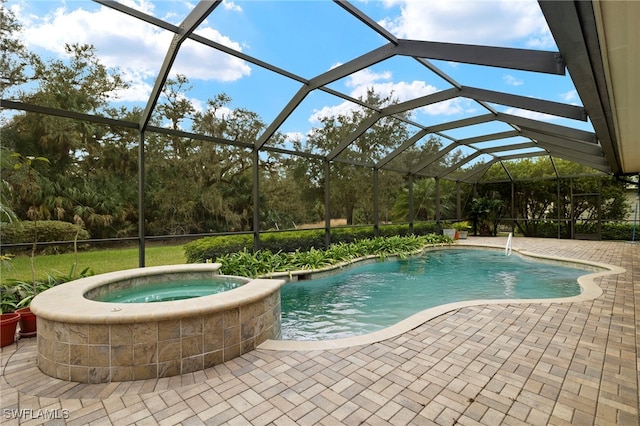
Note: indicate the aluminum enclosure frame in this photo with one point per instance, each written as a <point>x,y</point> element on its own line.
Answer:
<point>567,20</point>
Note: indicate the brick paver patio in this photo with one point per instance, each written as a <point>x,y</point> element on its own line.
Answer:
<point>535,363</point>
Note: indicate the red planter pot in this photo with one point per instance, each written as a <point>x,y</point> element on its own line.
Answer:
<point>27,322</point>
<point>8,324</point>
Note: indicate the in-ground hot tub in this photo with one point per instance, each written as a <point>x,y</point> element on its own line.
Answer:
<point>91,341</point>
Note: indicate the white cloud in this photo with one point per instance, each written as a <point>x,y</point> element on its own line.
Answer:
<point>230,5</point>
<point>198,61</point>
<point>570,96</point>
<point>343,108</point>
<point>490,22</point>
<point>133,46</point>
<point>141,5</point>
<point>511,80</point>
<point>294,136</point>
<point>366,77</point>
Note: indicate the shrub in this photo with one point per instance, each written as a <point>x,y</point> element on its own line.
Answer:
<point>263,262</point>
<point>16,294</point>
<point>619,231</point>
<point>290,241</point>
<point>46,231</point>
<point>201,250</point>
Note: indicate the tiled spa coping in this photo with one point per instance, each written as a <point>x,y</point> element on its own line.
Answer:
<point>67,303</point>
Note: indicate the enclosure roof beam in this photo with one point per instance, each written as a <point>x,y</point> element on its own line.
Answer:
<point>602,166</point>
<point>433,158</point>
<point>513,147</point>
<point>367,20</point>
<point>501,57</point>
<point>459,164</point>
<point>596,162</point>
<point>529,60</point>
<point>470,121</point>
<point>548,128</point>
<point>489,137</point>
<point>195,37</point>
<point>520,156</point>
<point>282,116</point>
<point>478,170</point>
<point>198,14</point>
<point>370,58</point>
<point>506,170</point>
<point>38,109</point>
<point>362,127</point>
<point>403,147</point>
<point>524,102</point>
<point>574,28</point>
<point>357,64</point>
<point>355,162</point>
<point>390,110</point>
<point>433,98</point>
<point>520,59</point>
<point>198,137</point>
<point>580,146</point>
<point>446,77</point>
<point>138,15</point>
<point>296,153</point>
<point>553,164</point>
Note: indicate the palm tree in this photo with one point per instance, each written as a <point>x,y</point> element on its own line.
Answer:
<point>424,201</point>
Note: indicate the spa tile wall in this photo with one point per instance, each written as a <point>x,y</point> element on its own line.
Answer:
<point>99,353</point>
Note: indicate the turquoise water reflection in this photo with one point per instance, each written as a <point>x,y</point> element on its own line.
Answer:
<point>367,298</point>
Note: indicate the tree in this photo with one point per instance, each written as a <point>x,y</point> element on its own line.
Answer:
<point>351,186</point>
<point>424,200</point>
<point>68,187</point>
<point>486,213</point>
<point>536,203</point>
<point>15,59</point>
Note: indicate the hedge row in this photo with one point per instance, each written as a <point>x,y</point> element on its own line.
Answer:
<point>619,231</point>
<point>200,250</point>
<point>609,230</point>
<point>43,231</point>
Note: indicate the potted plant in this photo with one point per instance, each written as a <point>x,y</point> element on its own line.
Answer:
<point>8,323</point>
<point>448,231</point>
<point>462,229</point>
<point>16,295</point>
<point>28,325</point>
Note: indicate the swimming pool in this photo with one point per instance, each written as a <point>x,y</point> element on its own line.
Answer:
<point>371,297</point>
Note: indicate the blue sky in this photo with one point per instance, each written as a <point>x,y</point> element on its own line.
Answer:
<point>307,38</point>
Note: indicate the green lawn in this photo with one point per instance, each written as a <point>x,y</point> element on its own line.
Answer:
<point>98,261</point>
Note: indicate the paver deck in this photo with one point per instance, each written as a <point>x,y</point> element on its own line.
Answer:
<point>535,363</point>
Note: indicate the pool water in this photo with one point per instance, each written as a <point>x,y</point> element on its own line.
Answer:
<point>367,298</point>
<point>170,290</point>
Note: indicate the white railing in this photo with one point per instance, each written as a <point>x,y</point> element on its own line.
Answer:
<point>507,248</point>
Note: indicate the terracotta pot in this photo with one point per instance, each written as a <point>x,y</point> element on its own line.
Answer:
<point>8,324</point>
<point>27,322</point>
